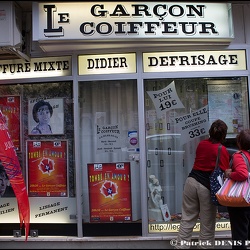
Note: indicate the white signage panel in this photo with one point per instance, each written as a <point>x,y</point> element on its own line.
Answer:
<point>107,64</point>
<point>193,125</point>
<point>49,210</point>
<point>194,61</point>
<point>52,210</point>
<point>131,20</point>
<point>36,67</point>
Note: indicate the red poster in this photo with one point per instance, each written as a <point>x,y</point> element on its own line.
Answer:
<point>10,107</point>
<point>109,192</point>
<point>47,168</point>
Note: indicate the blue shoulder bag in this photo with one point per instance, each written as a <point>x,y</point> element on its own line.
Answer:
<point>216,179</point>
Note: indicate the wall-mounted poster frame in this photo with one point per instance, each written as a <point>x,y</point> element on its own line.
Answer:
<point>47,162</point>
<point>46,116</point>
<point>11,108</point>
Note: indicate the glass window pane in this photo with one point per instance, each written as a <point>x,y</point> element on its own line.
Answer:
<point>109,149</point>
<point>169,158</point>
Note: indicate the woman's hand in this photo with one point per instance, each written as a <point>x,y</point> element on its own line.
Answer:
<point>227,173</point>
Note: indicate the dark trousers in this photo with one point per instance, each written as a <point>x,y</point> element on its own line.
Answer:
<point>240,226</point>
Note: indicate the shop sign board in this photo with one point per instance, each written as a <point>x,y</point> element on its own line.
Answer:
<point>107,64</point>
<point>194,61</point>
<point>79,21</point>
<point>36,67</point>
<point>45,210</point>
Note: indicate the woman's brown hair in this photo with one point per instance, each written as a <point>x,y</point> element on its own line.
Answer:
<point>243,139</point>
<point>218,131</point>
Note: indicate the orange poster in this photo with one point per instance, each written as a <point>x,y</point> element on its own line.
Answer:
<point>47,168</point>
<point>109,192</point>
<point>10,107</point>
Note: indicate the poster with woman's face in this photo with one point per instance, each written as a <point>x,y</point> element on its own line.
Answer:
<point>46,116</point>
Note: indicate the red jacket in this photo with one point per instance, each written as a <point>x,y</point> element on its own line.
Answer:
<point>206,154</point>
<point>239,167</point>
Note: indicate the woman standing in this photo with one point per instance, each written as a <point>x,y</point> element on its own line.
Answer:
<point>196,201</point>
<point>240,216</point>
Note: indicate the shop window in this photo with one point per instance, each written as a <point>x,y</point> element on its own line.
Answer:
<point>46,156</point>
<point>178,114</point>
<point>108,112</point>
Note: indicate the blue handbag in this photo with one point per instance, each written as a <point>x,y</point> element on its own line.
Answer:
<point>216,179</point>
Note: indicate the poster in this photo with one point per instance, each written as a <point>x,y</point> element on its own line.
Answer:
<point>165,99</point>
<point>108,138</point>
<point>46,116</point>
<point>47,168</point>
<point>10,107</point>
<point>225,102</point>
<point>109,192</point>
<point>193,125</point>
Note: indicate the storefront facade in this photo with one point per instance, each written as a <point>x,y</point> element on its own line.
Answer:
<point>132,89</point>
